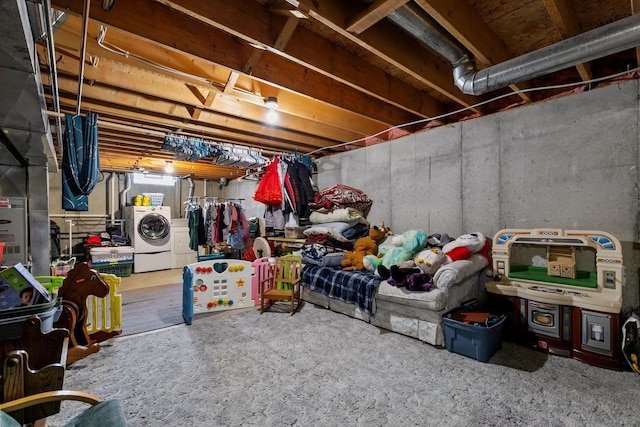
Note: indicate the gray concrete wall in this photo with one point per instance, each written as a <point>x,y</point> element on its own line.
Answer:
<point>568,163</point>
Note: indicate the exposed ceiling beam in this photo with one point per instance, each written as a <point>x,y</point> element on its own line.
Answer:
<point>374,13</point>
<point>196,38</point>
<point>231,83</point>
<point>392,46</point>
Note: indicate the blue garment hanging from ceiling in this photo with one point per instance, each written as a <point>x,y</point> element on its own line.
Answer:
<point>80,161</point>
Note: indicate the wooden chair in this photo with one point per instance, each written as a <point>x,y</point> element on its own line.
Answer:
<point>101,412</point>
<point>282,283</point>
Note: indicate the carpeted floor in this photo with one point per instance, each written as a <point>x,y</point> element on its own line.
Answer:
<point>151,308</point>
<point>320,368</point>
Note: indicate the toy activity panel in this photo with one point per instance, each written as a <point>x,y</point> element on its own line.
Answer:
<point>217,285</point>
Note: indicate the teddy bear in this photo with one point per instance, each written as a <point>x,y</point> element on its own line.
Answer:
<point>402,248</point>
<point>417,274</point>
<point>379,234</point>
<point>367,245</point>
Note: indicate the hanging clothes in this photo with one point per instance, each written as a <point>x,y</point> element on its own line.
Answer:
<point>80,161</point>
<point>211,217</point>
<point>238,230</point>
<point>269,190</point>
<point>194,219</point>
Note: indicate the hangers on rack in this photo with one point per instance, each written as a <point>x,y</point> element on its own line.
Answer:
<point>237,156</point>
<point>192,203</point>
<point>252,174</point>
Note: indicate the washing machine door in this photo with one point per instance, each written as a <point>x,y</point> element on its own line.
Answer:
<point>154,227</point>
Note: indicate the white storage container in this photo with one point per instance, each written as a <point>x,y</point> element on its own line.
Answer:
<point>156,199</point>
<point>111,254</point>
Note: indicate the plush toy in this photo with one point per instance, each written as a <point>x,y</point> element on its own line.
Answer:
<point>353,260</point>
<point>464,246</point>
<point>379,234</point>
<point>402,248</point>
<point>468,244</point>
<point>367,245</point>
<point>425,263</point>
<point>438,240</point>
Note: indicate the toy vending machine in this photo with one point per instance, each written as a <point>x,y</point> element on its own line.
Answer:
<point>216,285</point>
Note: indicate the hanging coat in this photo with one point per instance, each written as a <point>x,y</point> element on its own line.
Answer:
<point>80,161</point>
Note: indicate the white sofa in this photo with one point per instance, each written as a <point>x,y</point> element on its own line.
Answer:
<point>414,313</point>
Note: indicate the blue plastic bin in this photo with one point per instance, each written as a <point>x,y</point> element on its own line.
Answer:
<point>475,341</point>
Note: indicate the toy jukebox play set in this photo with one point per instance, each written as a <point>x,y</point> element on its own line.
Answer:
<point>216,285</point>
<point>562,291</point>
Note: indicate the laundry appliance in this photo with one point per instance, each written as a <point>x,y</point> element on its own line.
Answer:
<point>181,252</point>
<point>149,228</point>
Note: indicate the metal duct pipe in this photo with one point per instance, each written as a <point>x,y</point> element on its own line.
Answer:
<point>124,192</point>
<point>606,40</point>
<point>191,187</point>
<point>112,196</point>
<point>424,28</point>
<point>53,71</point>
<point>83,51</point>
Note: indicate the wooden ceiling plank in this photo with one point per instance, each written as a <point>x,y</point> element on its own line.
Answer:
<point>93,103</point>
<point>375,12</point>
<point>399,50</point>
<point>566,22</point>
<point>196,38</point>
<point>286,33</point>
<point>231,82</point>
<point>245,21</point>
<point>154,85</point>
<point>344,121</point>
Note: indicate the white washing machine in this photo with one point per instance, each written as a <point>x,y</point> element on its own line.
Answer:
<point>149,228</point>
<point>181,253</point>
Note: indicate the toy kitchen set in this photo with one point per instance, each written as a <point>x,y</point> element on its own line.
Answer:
<point>562,290</point>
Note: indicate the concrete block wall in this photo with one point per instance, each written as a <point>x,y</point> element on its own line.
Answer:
<point>567,163</point>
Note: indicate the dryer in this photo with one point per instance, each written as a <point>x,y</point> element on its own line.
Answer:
<point>149,228</point>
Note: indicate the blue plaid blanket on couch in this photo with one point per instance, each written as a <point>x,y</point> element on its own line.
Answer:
<point>352,287</point>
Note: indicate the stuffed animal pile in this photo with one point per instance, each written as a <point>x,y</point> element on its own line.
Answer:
<point>401,248</point>
<point>416,273</point>
<point>368,245</point>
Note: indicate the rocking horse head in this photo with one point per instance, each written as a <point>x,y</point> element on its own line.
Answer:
<point>82,281</point>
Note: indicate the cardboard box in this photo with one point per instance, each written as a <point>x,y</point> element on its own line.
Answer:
<point>17,281</point>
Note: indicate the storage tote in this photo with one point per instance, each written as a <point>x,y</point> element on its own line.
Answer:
<point>111,254</point>
<point>469,336</point>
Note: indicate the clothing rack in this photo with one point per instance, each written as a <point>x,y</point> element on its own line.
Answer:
<point>196,199</point>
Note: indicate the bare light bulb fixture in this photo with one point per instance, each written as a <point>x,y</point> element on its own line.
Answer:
<point>168,167</point>
<point>271,103</point>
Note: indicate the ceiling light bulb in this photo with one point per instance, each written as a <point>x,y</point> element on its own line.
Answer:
<point>271,102</point>
<point>169,168</point>
<point>272,116</point>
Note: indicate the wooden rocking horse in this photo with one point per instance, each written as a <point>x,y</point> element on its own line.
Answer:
<point>81,282</point>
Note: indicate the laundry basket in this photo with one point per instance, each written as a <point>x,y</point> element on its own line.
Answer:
<point>155,198</point>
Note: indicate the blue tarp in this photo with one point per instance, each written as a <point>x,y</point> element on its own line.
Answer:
<point>80,161</point>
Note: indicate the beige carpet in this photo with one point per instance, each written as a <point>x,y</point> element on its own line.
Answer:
<point>150,308</point>
<point>320,368</point>
<point>152,301</point>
